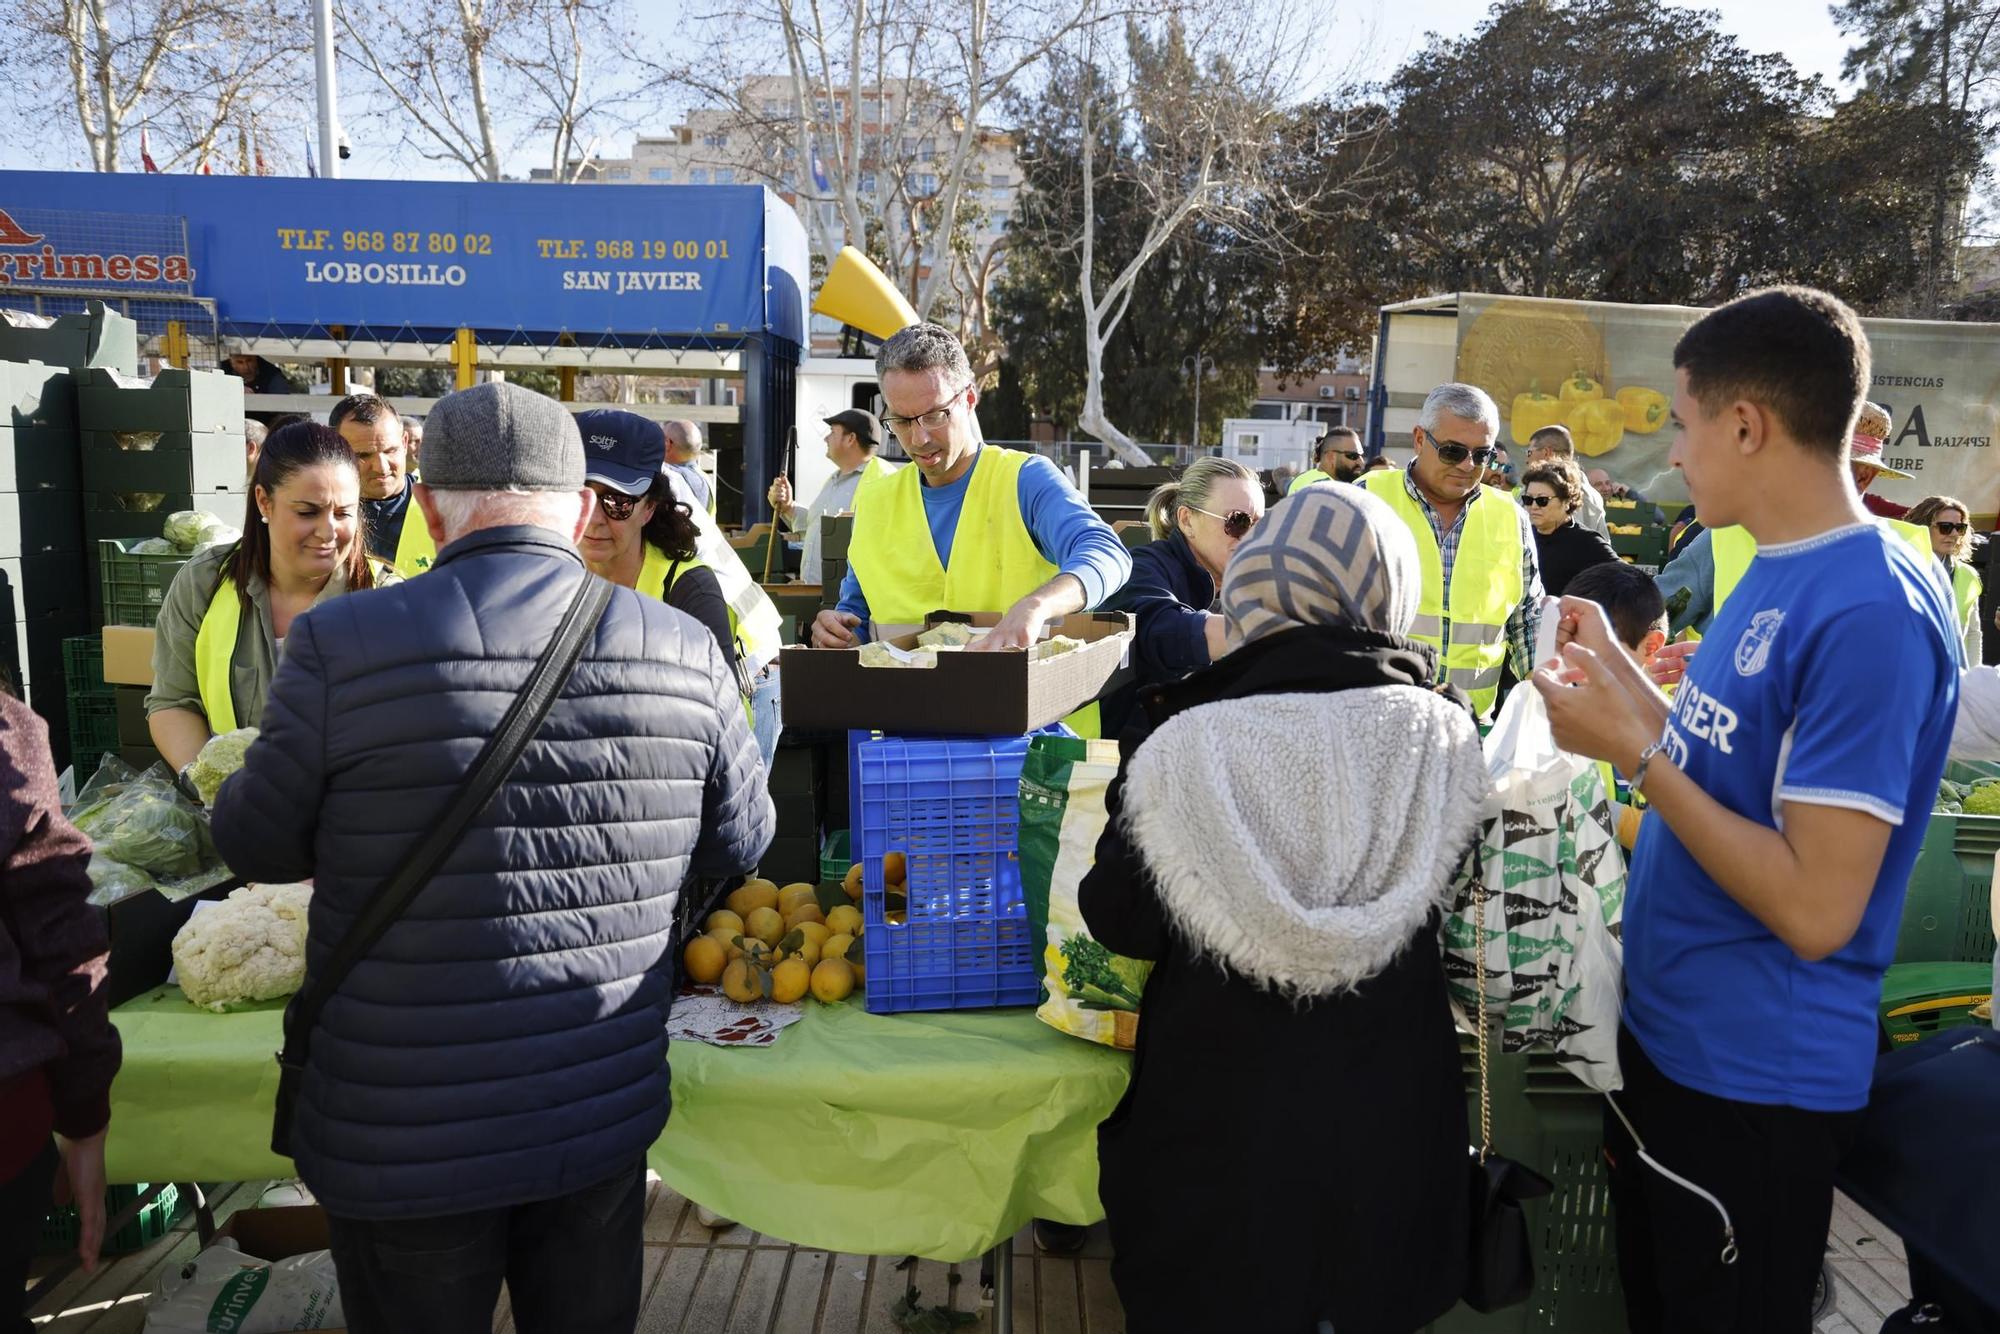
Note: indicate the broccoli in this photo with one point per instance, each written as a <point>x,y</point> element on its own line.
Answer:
<point>1096,976</point>
<point>1983,800</point>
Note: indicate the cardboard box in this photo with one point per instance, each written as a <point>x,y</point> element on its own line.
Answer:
<point>276,1233</point>
<point>128,655</point>
<point>33,393</point>
<point>966,694</point>
<point>132,729</point>
<point>40,523</point>
<point>201,465</point>
<point>39,458</point>
<point>175,400</point>
<point>95,336</point>
<point>49,585</point>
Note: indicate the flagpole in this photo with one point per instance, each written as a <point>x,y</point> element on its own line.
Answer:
<point>329,126</point>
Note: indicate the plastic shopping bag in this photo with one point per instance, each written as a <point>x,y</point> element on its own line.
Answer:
<point>1555,880</point>
<point>1088,991</point>
<point>222,1288</point>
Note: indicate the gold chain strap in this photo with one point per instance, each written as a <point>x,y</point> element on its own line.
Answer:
<point>1479,935</point>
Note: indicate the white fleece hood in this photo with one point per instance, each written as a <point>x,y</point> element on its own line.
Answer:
<point>1303,839</point>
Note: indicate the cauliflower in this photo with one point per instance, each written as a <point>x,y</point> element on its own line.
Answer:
<point>1984,800</point>
<point>219,758</point>
<point>249,947</point>
<point>184,527</point>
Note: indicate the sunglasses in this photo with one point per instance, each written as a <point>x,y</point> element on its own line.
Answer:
<point>1453,453</point>
<point>1235,523</point>
<point>1949,529</point>
<point>1351,455</point>
<point>1539,502</point>
<point>617,508</point>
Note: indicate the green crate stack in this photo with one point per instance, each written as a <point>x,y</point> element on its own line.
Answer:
<point>93,706</point>
<point>836,531</point>
<point>41,543</point>
<point>134,584</point>
<point>1947,913</point>
<point>59,1229</point>
<point>1544,1118</point>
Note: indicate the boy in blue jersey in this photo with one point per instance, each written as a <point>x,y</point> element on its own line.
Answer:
<point>1789,780</point>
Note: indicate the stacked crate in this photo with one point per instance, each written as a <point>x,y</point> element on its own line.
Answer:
<point>41,533</point>
<point>836,531</point>
<point>150,448</point>
<point>796,783</point>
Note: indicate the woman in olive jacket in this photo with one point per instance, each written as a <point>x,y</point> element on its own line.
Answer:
<point>1282,832</point>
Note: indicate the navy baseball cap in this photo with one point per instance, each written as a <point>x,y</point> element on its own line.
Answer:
<point>622,450</point>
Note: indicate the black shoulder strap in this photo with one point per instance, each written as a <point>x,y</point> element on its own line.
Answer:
<point>496,760</point>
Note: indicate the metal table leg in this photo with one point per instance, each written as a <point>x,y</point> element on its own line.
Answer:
<point>1000,1263</point>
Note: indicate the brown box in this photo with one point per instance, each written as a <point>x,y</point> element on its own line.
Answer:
<point>128,655</point>
<point>966,694</point>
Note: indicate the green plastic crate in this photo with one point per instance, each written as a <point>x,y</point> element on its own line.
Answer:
<point>83,665</point>
<point>1544,1118</point>
<point>134,585</point>
<point>154,1221</point>
<point>1919,999</point>
<point>834,858</point>
<point>1948,913</point>
<point>93,723</point>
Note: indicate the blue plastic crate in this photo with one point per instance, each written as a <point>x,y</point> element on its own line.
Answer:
<point>951,806</point>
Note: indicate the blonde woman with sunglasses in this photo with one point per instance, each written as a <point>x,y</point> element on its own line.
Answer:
<point>1949,523</point>
<point>1197,523</point>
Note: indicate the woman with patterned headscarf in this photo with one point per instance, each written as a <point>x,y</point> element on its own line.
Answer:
<point>1282,834</point>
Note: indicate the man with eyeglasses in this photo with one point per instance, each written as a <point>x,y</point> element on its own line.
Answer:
<point>1698,581</point>
<point>971,527</point>
<point>1482,591</point>
<point>1336,458</point>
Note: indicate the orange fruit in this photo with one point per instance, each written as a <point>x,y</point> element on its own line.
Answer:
<point>789,981</point>
<point>895,869</point>
<point>765,924</point>
<point>832,981</point>
<point>705,958</point>
<point>852,884</point>
<point>808,913</point>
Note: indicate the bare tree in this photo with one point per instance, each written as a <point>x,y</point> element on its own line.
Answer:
<point>193,68</point>
<point>471,81</point>
<point>1198,130</point>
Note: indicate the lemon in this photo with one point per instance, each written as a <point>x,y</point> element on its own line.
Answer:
<point>727,939</point>
<point>894,868</point>
<point>789,980</point>
<point>795,896</point>
<point>844,921</point>
<point>808,913</point>
<point>752,896</point>
<point>741,983</point>
<point>724,920</point>
<point>705,958</point>
<point>808,950</point>
<point>853,882</point>
<point>832,981</point>
<point>765,924</point>
<point>816,932</point>
<point>837,947</point>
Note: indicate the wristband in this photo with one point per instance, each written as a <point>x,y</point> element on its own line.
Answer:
<point>1645,762</point>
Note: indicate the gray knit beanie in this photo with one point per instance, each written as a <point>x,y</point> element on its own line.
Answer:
<point>495,436</point>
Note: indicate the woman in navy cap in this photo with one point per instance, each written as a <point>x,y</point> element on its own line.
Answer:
<point>640,535</point>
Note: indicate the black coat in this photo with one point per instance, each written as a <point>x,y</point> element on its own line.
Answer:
<point>1273,1164</point>
<point>1169,595</point>
<point>1566,552</point>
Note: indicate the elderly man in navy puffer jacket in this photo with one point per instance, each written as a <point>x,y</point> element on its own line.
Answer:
<point>482,1089</point>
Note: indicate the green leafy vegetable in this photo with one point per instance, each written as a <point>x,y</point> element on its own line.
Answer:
<point>1096,976</point>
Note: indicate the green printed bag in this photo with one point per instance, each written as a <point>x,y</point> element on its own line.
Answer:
<point>1087,990</point>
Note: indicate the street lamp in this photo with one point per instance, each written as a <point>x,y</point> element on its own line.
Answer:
<point>1197,366</point>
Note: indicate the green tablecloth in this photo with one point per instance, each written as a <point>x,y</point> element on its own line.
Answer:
<point>933,1135</point>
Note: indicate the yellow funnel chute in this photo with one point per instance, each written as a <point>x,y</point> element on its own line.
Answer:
<point>856,293</point>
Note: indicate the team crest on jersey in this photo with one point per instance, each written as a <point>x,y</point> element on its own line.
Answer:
<point>1753,651</point>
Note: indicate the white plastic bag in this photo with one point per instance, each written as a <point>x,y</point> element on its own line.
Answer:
<point>1550,958</point>
<point>224,1289</point>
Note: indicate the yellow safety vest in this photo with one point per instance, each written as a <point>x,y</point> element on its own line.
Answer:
<point>1306,479</point>
<point>215,649</point>
<point>1733,549</point>
<point>415,552</point>
<point>653,574</point>
<point>995,562</point>
<point>1965,583</point>
<point>1485,585</point>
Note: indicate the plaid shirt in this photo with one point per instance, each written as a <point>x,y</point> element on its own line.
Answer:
<point>1525,621</point>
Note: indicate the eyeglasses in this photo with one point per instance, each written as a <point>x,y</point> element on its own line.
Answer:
<point>1351,455</point>
<point>1235,523</point>
<point>1452,453</point>
<point>932,420</point>
<point>1949,529</point>
<point>1538,502</point>
<point>616,507</point>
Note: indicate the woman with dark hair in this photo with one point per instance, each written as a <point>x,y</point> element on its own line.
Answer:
<point>640,536</point>
<point>224,619</point>
<point>1552,492</point>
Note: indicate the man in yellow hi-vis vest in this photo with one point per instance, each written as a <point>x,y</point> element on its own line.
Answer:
<point>1482,591</point>
<point>381,448</point>
<point>972,527</point>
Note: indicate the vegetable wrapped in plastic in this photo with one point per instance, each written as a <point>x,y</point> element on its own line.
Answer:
<point>155,831</point>
<point>221,757</point>
<point>184,527</point>
<point>112,880</point>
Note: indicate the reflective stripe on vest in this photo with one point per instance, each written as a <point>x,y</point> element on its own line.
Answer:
<point>1965,583</point>
<point>214,649</point>
<point>414,549</point>
<point>1306,479</point>
<point>1733,549</point>
<point>995,562</point>
<point>1485,585</point>
<point>653,572</point>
